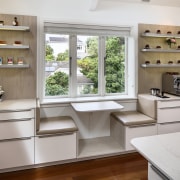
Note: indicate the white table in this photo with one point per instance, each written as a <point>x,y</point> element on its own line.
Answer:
<point>96,106</point>
<point>162,151</point>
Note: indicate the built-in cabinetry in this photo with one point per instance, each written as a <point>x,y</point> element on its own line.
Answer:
<point>165,111</point>
<point>168,116</point>
<point>17,119</point>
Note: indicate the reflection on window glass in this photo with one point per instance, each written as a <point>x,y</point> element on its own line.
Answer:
<point>115,65</point>
<point>87,69</point>
<point>56,65</point>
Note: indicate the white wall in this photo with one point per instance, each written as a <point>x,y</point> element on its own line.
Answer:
<point>108,12</point>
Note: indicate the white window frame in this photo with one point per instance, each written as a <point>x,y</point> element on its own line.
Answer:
<point>53,27</point>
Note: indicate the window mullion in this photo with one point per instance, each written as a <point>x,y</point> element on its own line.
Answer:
<point>73,66</point>
<point>102,55</point>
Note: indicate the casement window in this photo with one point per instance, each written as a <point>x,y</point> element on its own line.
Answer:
<point>86,60</point>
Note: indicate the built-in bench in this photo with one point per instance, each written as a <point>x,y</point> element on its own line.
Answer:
<point>57,125</point>
<point>131,124</point>
<point>56,139</point>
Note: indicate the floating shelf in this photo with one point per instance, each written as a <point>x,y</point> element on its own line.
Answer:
<point>14,66</point>
<point>160,35</point>
<point>160,65</point>
<point>161,50</point>
<point>14,28</point>
<point>14,46</point>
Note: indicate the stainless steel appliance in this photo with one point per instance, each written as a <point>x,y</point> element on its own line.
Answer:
<point>171,83</point>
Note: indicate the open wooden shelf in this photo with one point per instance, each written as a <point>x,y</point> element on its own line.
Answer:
<point>14,66</point>
<point>160,65</point>
<point>161,50</point>
<point>14,28</point>
<point>14,46</point>
<point>160,35</point>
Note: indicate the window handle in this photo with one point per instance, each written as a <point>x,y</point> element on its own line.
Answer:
<point>105,65</point>
<point>70,65</point>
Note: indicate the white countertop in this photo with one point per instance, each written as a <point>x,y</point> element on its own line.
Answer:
<point>19,104</point>
<point>96,106</point>
<point>162,151</point>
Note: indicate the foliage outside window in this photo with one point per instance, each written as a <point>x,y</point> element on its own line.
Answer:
<point>88,65</point>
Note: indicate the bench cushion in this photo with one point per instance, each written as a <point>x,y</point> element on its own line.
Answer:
<point>130,118</point>
<point>53,125</point>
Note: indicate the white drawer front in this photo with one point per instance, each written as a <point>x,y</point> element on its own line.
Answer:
<point>168,128</point>
<point>168,114</point>
<point>168,104</point>
<point>16,153</point>
<point>16,129</point>
<point>139,131</point>
<point>13,115</point>
<point>55,148</point>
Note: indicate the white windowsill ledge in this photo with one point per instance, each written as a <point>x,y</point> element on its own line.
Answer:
<point>86,99</point>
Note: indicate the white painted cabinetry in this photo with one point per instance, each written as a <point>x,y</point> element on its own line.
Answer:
<point>168,116</point>
<point>54,147</point>
<point>16,134</point>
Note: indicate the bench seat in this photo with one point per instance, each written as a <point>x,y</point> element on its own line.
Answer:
<point>132,118</point>
<point>56,125</point>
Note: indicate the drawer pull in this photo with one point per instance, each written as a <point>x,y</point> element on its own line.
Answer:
<point>175,107</point>
<point>11,111</point>
<point>53,135</point>
<point>15,120</point>
<point>15,139</point>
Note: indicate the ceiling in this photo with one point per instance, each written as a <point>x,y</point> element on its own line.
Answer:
<point>173,3</point>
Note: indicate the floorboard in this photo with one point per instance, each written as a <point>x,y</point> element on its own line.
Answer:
<point>123,167</point>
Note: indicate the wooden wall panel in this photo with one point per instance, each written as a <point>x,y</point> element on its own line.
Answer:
<point>19,83</point>
<point>152,77</point>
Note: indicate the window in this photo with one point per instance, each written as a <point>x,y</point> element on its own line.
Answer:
<point>83,61</point>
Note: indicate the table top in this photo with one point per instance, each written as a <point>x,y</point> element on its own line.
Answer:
<point>162,151</point>
<point>96,106</point>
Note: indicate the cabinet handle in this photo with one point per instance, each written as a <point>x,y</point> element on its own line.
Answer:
<point>15,120</point>
<point>53,135</point>
<point>16,110</point>
<point>15,139</point>
<point>175,107</point>
<point>165,123</point>
<point>141,125</point>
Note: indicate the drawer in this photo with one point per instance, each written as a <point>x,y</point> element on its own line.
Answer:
<point>16,153</point>
<point>168,114</point>
<point>168,104</point>
<point>55,148</point>
<point>138,131</point>
<point>165,128</point>
<point>13,115</point>
<point>16,128</point>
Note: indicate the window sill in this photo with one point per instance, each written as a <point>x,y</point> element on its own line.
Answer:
<point>121,98</point>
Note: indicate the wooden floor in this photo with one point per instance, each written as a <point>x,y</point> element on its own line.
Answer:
<point>124,167</point>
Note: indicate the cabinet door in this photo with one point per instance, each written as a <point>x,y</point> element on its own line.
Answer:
<point>16,129</point>
<point>55,148</point>
<point>13,115</point>
<point>16,153</point>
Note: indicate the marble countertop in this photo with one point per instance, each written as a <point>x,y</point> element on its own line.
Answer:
<point>19,104</point>
<point>162,151</point>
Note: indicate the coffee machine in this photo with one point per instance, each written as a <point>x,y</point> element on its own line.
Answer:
<point>171,83</point>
